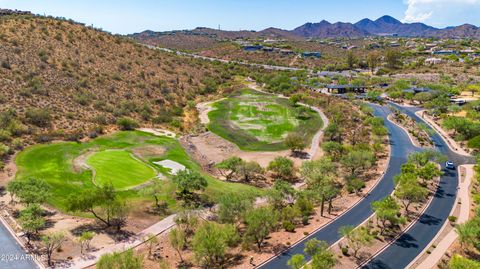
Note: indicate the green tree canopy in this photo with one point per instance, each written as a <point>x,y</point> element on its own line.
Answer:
<point>211,241</point>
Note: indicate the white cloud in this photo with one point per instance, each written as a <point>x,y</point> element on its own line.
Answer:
<point>441,12</point>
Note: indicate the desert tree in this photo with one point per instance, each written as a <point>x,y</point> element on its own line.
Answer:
<point>178,240</point>
<point>281,194</point>
<point>356,238</point>
<point>211,241</point>
<point>187,182</point>
<point>232,206</point>
<point>259,223</point>
<point>187,220</point>
<point>409,191</point>
<point>102,202</point>
<point>282,167</point>
<point>297,261</point>
<point>295,142</point>
<point>30,190</point>
<point>31,220</point>
<point>127,259</point>
<point>155,189</point>
<point>84,240</point>
<point>52,242</point>
<point>387,210</point>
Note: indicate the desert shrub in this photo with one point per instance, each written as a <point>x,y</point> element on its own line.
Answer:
<point>4,150</point>
<point>127,123</point>
<point>38,116</point>
<point>288,226</point>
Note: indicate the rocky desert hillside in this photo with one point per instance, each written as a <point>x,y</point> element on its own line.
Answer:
<point>62,80</point>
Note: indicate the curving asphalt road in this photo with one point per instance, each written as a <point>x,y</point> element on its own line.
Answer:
<point>12,255</point>
<point>401,147</point>
<point>408,246</point>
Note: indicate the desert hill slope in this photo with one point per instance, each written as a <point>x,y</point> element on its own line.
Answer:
<point>60,79</point>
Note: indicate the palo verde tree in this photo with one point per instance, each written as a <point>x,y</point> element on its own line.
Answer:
<point>103,203</point>
<point>32,220</point>
<point>281,195</point>
<point>178,240</point>
<point>155,189</point>
<point>127,259</point>
<point>357,160</point>
<point>235,168</point>
<point>231,167</point>
<point>259,223</point>
<point>409,190</point>
<point>187,220</point>
<point>295,142</point>
<point>30,190</point>
<point>282,167</point>
<point>387,210</point>
<point>319,175</point>
<point>52,242</point>
<point>232,206</point>
<point>322,256</point>
<point>211,241</point>
<point>356,237</point>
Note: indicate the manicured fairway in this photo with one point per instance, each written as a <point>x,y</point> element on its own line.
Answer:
<point>120,168</point>
<point>260,122</point>
<point>111,158</point>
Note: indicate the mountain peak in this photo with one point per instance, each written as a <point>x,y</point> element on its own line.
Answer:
<point>388,19</point>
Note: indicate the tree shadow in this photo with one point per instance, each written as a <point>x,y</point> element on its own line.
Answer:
<point>406,241</point>
<point>300,155</point>
<point>429,220</point>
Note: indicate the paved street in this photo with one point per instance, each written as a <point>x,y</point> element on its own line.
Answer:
<point>12,255</point>
<point>401,147</point>
<point>410,244</point>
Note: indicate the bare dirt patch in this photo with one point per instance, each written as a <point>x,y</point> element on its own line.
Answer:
<point>203,110</point>
<point>209,149</point>
<point>148,151</point>
<point>79,164</point>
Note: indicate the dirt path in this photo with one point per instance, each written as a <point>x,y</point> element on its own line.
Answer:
<point>203,110</point>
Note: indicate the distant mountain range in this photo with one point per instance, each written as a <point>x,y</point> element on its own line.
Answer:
<point>383,26</point>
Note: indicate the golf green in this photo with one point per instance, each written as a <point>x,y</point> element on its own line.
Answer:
<point>120,168</point>
<point>257,121</point>
<point>111,159</point>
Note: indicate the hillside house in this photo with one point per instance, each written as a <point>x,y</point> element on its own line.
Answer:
<point>444,52</point>
<point>433,61</point>
<point>342,89</point>
<point>252,48</point>
<point>312,54</point>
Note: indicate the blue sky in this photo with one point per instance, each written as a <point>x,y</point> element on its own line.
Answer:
<point>123,16</point>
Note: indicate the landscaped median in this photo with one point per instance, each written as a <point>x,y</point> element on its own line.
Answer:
<point>437,251</point>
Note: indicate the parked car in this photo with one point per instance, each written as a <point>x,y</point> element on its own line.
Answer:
<point>450,165</point>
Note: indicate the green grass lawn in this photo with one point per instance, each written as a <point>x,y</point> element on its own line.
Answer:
<point>260,122</point>
<point>53,163</point>
<point>120,168</point>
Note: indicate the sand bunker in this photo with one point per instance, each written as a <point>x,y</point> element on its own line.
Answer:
<point>173,166</point>
<point>158,132</point>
